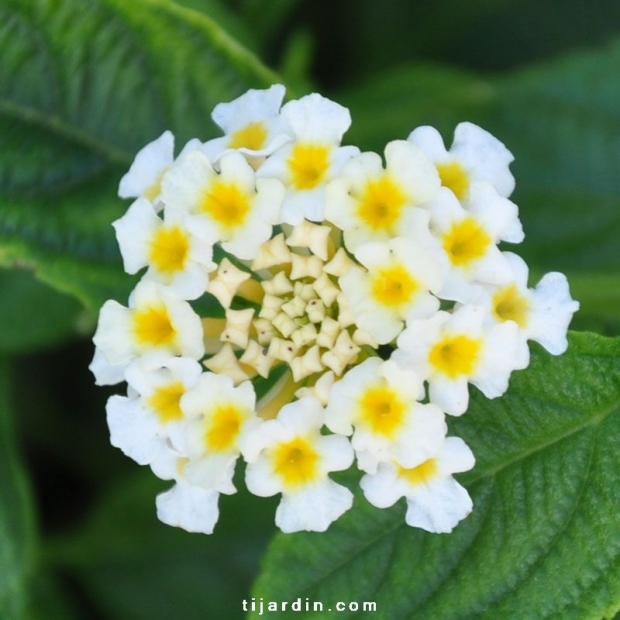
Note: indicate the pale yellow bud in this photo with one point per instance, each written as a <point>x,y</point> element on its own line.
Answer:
<point>284,324</point>
<point>273,252</point>
<point>295,307</point>
<point>237,329</point>
<point>264,330</point>
<point>361,337</point>
<point>225,363</point>
<point>320,390</point>
<point>283,350</point>
<point>226,282</point>
<point>270,307</point>
<point>304,335</point>
<point>305,266</point>
<point>339,264</point>
<point>256,357</point>
<point>307,364</point>
<point>343,353</point>
<point>345,316</point>
<point>311,236</point>
<point>330,328</point>
<point>315,310</point>
<point>278,285</point>
<point>326,289</point>
<point>305,291</point>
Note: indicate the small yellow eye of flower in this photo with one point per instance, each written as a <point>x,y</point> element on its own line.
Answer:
<point>455,356</point>
<point>252,136</point>
<point>381,204</point>
<point>296,462</point>
<point>422,473</point>
<point>152,326</point>
<point>226,204</point>
<point>165,402</point>
<point>169,249</point>
<point>454,178</point>
<point>155,189</point>
<point>393,286</point>
<point>224,428</point>
<point>308,164</point>
<point>382,410</point>
<point>466,242</point>
<point>510,305</point>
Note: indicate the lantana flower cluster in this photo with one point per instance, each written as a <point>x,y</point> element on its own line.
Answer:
<point>304,306</point>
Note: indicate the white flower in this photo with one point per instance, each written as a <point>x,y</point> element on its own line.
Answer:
<point>469,240</point>
<point>542,314</point>
<point>251,122</point>
<point>104,372</point>
<point>396,288</point>
<point>144,176</point>
<point>377,402</point>
<point>156,320</point>
<point>174,256</point>
<point>315,156</point>
<point>143,179</point>
<point>370,203</point>
<point>189,507</point>
<point>289,455</point>
<point>141,424</point>
<point>435,501</point>
<point>186,505</point>
<point>219,415</point>
<point>475,156</point>
<point>231,207</point>
<point>450,350</point>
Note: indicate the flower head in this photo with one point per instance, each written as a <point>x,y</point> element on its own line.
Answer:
<point>252,125</point>
<point>289,455</point>
<point>312,159</point>
<point>303,306</point>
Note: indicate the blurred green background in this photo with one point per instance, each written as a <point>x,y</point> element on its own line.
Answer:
<point>85,83</point>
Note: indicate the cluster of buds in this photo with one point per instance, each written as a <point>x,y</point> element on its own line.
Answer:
<point>305,305</point>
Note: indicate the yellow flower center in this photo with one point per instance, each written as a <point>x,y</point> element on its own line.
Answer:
<point>422,473</point>
<point>466,242</point>
<point>252,136</point>
<point>510,305</point>
<point>382,410</point>
<point>393,286</point>
<point>226,203</point>
<point>155,189</point>
<point>169,249</point>
<point>165,402</point>
<point>152,327</point>
<point>296,462</point>
<point>308,164</point>
<point>455,178</point>
<point>455,356</point>
<point>224,428</point>
<point>381,204</point>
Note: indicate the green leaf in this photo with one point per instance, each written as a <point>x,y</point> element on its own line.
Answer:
<point>224,15</point>
<point>83,89</point>
<point>23,324</point>
<point>562,121</point>
<point>390,105</point>
<point>48,600</point>
<point>267,16</point>
<point>16,517</point>
<point>599,298</point>
<point>543,540</point>
<point>136,568</point>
